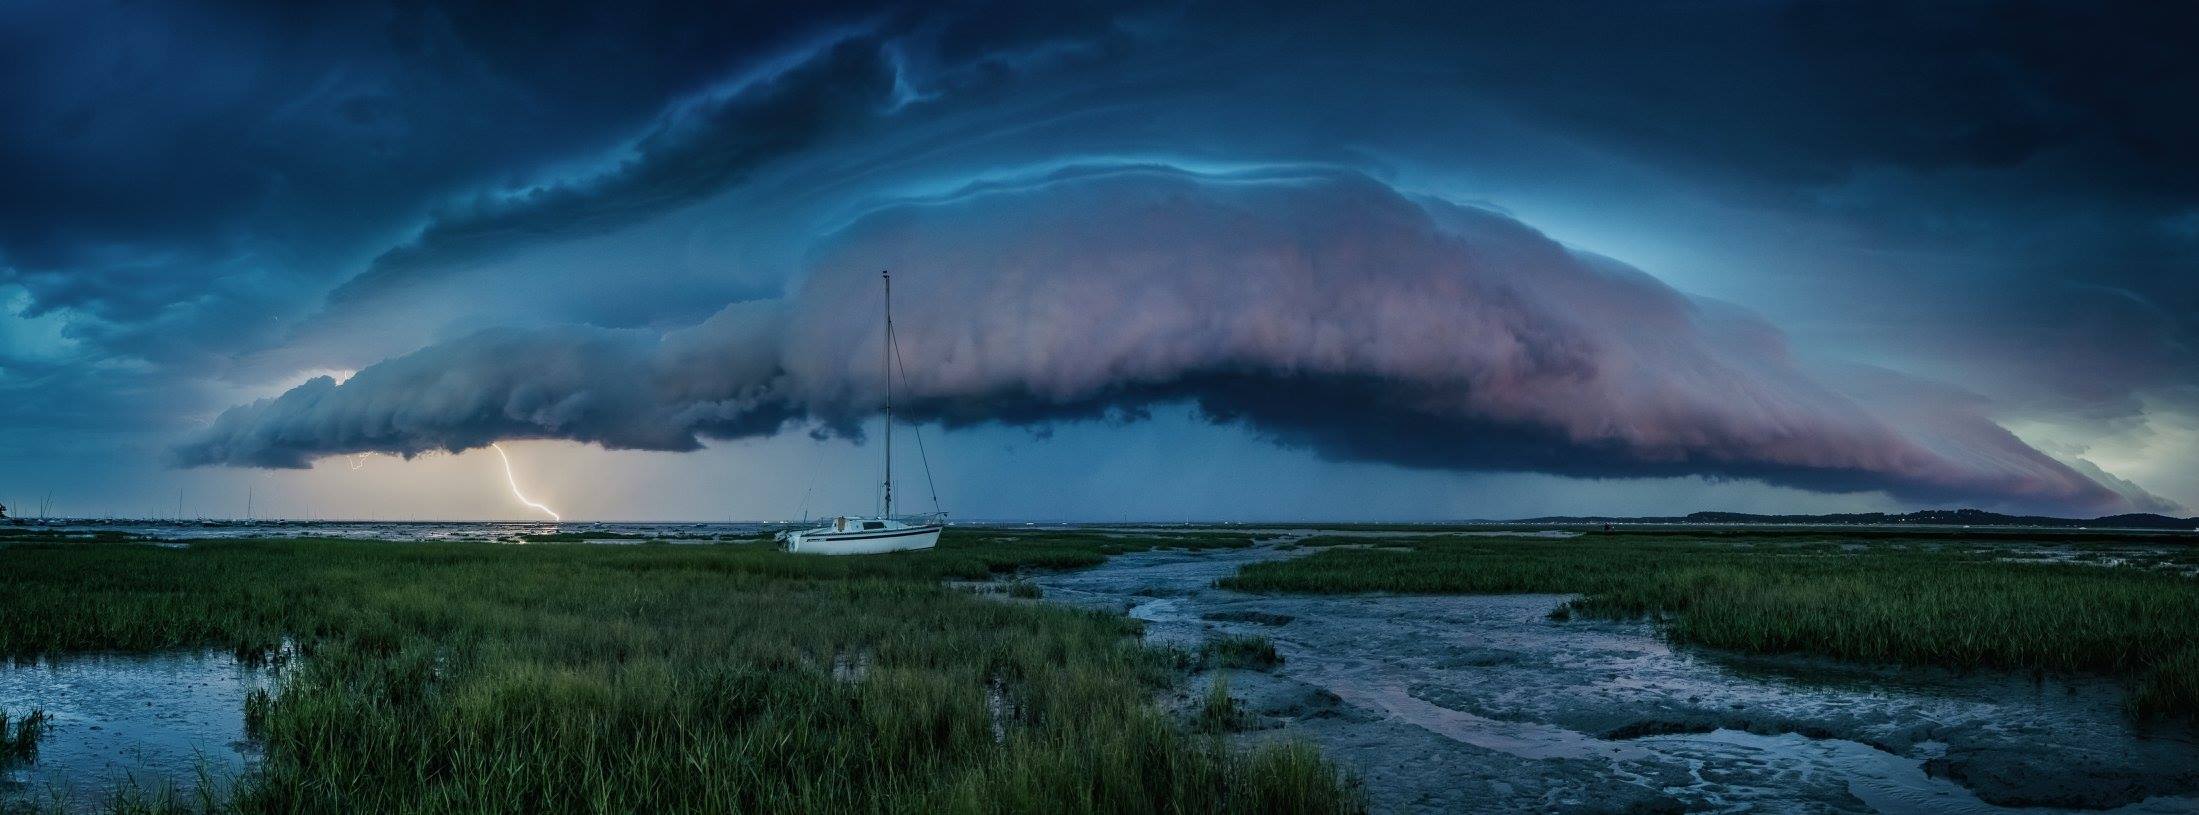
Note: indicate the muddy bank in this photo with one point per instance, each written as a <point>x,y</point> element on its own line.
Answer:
<point>1483,703</point>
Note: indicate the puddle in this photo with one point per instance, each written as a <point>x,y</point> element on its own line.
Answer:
<point>127,719</point>
<point>1482,703</point>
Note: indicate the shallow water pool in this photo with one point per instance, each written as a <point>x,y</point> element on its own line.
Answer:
<point>148,721</point>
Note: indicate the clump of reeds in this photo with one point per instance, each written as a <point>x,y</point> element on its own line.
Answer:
<point>2172,686</point>
<point>1219,712</point>
<point>19,739</point>
<point>256,705</point>
<point>1233,651</point>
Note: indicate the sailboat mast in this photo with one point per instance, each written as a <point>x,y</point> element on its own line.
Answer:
<point>888,276</point>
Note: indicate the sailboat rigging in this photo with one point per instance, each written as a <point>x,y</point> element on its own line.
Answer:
<point>885,532</point>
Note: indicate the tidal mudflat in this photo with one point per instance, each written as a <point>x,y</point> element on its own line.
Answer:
<point>1445,703</point>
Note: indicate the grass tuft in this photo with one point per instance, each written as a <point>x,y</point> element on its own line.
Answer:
<point>1220,712</point>
<point>1232,651</point>
<point>20,741</point>
<point>2172,685</point>
<point>1025,590</point>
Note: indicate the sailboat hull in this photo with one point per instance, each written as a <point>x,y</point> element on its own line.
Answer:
<point>870,542</point>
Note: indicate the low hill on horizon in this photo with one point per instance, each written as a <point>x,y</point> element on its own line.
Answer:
<point>1930,517</point>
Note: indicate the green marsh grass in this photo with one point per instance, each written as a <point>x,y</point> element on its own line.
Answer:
<point>473,677</point>
<point>1887,602</point>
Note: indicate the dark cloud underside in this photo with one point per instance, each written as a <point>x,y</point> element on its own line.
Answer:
<point>1325,310</point>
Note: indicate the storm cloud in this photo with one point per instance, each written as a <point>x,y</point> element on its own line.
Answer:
<point>695,150</point>
<point>1323,309</point>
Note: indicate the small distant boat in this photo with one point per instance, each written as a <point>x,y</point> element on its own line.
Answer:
<point>885,532</point>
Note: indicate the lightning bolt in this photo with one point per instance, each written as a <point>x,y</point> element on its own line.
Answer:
<point>514,481</point>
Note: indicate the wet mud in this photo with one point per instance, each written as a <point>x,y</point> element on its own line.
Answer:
<point>1485,704</point>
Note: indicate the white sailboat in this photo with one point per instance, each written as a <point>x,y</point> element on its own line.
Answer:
<point>885,532</point>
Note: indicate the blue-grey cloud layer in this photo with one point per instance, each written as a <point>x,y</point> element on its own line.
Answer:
<point>1326,310</point>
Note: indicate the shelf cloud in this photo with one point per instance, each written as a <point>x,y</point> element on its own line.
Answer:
<point>1323,309</point>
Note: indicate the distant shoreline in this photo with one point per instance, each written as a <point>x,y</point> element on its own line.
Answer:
<point>1971,519</point>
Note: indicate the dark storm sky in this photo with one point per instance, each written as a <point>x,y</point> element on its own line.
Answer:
<point>1155,260</point>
